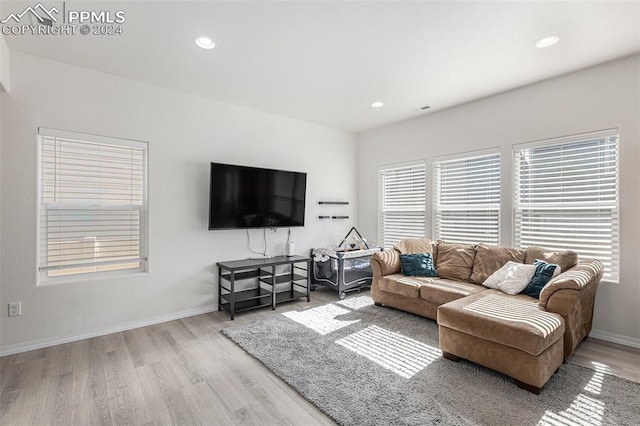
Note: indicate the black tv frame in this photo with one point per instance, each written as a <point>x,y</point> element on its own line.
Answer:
<point>258,169</point>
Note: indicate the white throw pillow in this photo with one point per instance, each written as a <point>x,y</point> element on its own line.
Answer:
<point>512,278</point>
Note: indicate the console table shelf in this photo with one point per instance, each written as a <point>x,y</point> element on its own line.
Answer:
<point>263,273</point>
<point>248,299</point>
<point>284,278</point>
<point>248,274</point>
<point>289,295</point>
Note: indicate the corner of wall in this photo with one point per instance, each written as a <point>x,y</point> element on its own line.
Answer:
<point>3,61</point>
<point>5,81</point>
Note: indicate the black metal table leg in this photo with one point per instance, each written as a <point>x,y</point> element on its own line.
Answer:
<point>219,288</point>
<point>308,280</point>
<point>273,288</point>
<point>232,299</point>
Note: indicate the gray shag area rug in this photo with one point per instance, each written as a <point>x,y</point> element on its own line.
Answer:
<point>367,365</point>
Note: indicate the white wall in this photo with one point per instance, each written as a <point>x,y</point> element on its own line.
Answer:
<point>602,97</point>
<point>185,133</point>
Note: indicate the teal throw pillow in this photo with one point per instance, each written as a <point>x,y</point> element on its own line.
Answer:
<point>418,265</point>
<point>544,273</point>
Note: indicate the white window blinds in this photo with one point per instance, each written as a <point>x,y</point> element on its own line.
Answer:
<point>401,203</point>
<point>93,205</point>
<point>467,199</point>
<point>567,196</point>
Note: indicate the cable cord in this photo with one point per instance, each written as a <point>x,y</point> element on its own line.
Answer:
<point>263,252</point>
<point>264,236</point>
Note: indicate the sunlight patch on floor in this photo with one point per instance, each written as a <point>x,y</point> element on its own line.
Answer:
<point>395,352</point>
<point>584,410</point>
<point>356,303</point>
<point>321,319</point>
<point>595,384</point>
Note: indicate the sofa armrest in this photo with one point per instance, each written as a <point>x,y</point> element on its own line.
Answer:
<point>586,273</point>
<point>385,263</point>
<point>572,294</point>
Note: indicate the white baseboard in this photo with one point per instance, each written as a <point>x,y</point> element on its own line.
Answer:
<point>615,338</point>
<point>101,331</point>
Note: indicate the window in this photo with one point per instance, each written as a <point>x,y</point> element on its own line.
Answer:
<point>401,203</point>
<point>93,205</point>
<point>467,199</point>
<point>567,196</point>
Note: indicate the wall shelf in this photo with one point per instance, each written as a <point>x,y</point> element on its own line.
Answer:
<point>333,203</point>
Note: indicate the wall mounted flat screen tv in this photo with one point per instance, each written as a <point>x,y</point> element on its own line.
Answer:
<point>252,197</point>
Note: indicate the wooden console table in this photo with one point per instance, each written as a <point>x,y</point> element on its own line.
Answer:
<point>294,282</point>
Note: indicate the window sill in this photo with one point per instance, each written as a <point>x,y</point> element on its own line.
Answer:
<point>92,278</point>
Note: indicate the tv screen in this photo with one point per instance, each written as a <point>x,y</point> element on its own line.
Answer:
<point>251,197</point>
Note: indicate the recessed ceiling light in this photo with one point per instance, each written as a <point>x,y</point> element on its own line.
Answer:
<point>205,42</point>
<point>377,104</point>
<point>547,41</point>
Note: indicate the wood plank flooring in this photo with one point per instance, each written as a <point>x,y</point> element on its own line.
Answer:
<point>182,372</point>
<point>619,360</point>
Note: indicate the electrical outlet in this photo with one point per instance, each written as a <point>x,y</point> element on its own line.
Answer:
<point>15,309</point>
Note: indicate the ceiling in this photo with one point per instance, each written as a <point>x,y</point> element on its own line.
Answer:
<point>325,62</point>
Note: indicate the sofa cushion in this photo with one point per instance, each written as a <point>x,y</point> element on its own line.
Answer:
<point>418,245</point>
<point>440,291</point>
<point>512,278</point>
<point>405,286</point>
<point>455,261</point>
<point>490,258</point>
<point>514,321</point>
<point>565,259</point>
<point>544,272</point>
<point>417,265</point>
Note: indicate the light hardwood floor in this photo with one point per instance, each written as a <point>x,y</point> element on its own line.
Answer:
<point>182,372</point>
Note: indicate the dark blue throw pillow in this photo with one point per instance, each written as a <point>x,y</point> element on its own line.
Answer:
<point>544,273</point>
<point>418,265</point>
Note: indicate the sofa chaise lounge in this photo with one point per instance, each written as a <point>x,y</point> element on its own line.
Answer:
<point>524,337</point>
